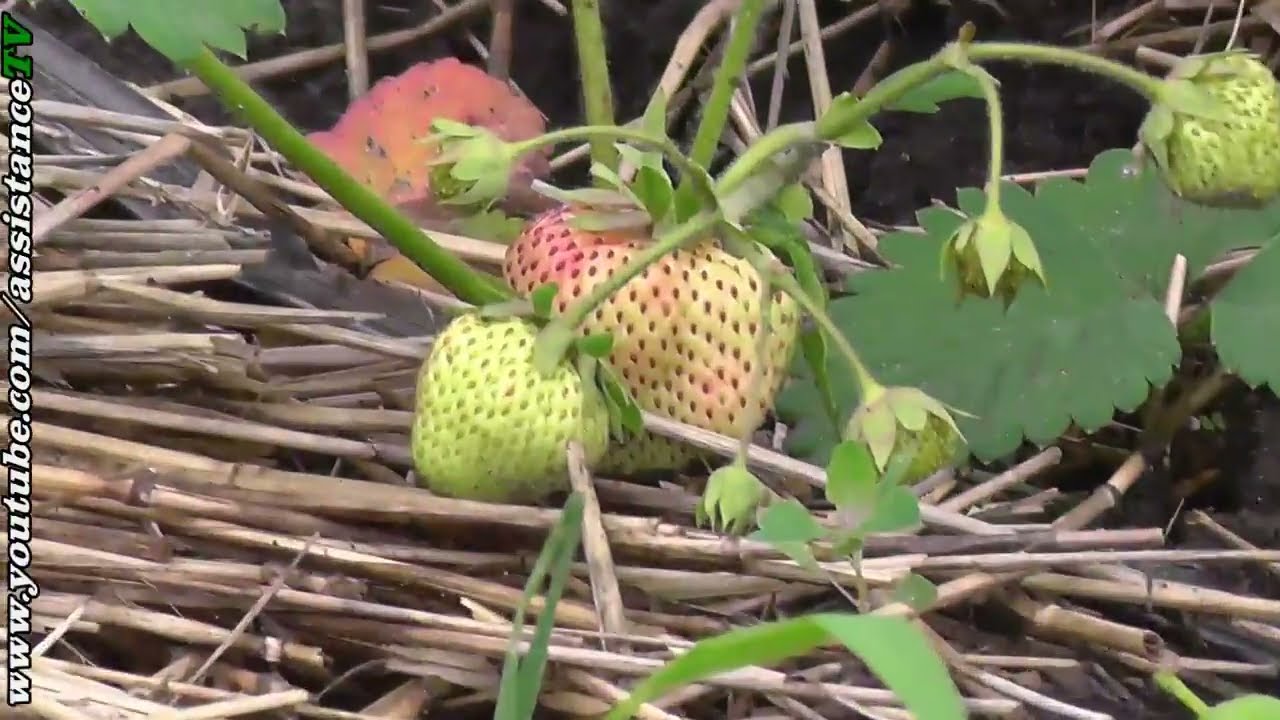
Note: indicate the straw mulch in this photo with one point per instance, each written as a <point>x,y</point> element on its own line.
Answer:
<point>227,523</point>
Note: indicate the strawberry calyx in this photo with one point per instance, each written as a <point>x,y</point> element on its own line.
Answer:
<point>895,420</point>
<point>731,499</point>
<point>473,166</point>
<point>992,256</point>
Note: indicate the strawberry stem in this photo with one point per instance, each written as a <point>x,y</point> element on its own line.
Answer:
<point>1173,685</point>
<point>1145,84</point>
<point>715,113</point>
<point>995,135</point>
<point>810,138</point>
<point>555,338</point>
<point>867,383</point>
<point>408,238</point>
<point>755,380</point>
<point>635,136</point>
<point>593,69</point>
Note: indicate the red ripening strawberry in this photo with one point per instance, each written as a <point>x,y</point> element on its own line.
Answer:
<point>684,330</point>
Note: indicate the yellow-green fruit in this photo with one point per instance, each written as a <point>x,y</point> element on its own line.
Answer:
<point>938,445</point>
<point>487,426</point>
<point>1236,160</point>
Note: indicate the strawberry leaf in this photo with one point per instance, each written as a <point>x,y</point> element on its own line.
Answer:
<point>1094,341</point>
<point>851,477</point>
<point>1246,320</point>
<point>789,528</point>
<point>180,29</point>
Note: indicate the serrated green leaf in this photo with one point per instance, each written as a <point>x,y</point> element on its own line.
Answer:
<point>789,528</point>
<point>1094,341</point>
<point>925,97</point>
<point>788,522</point>
<point>180,29</point>
<point>896,509</point>
<point>1246,320</point>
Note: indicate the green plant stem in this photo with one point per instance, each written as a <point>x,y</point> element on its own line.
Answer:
<point>995,137</point>
<point>755,381</point>
<point>1171,684</point>
<point>865,380</point>
<point>635,136</point>
<point>842,118</point>
<point>443,266</point>
<point>715,113</point>
<point>555,338</point>
<point>801,135</point>
<point>1145,84</point>
<point>593,69</point>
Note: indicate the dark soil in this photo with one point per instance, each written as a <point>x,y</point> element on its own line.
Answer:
<point>1055,119</point>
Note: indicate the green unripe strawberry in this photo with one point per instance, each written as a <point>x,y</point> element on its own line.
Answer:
<point>1230,157</point>
<point>487,426</point>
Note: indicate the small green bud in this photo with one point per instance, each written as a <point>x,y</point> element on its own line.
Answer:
<point>992,256</point>
<point>474,166</point>
<point>731,499</point>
